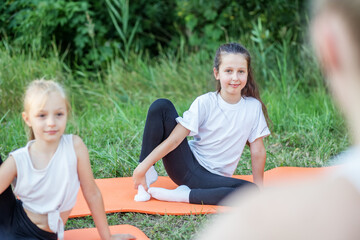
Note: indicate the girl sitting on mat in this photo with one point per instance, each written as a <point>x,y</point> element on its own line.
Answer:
<point>221,123</point>
<point>326,207</point>
<point>47,172</point>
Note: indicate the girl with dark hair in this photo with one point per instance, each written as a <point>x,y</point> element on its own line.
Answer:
<point>221,123</point>
<point>326,206</point>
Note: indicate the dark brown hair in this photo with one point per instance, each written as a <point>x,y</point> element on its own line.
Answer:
<point>250,89</point>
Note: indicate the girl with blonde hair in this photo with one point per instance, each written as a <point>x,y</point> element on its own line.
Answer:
<point>48,172</point>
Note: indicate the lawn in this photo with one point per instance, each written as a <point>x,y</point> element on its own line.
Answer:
<point>109,108</point>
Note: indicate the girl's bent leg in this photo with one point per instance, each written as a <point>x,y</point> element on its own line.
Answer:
<point>160,122</point>
<point>209,188</point>
<point>212,196</point>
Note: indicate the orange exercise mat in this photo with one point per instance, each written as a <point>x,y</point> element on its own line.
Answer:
<point>118,193</point>
<point>92,233</point>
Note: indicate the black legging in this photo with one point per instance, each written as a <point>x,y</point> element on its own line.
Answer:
<point>14,222</point>
<point>180,164</point>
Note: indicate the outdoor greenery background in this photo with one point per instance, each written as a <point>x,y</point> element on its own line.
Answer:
<point>115,57</point>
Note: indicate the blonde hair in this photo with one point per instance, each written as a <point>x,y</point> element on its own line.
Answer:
<point>349,10</point>
<point>42,88</point>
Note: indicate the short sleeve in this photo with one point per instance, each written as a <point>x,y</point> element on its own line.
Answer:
<point>192,118</point>
<point>260,128</point>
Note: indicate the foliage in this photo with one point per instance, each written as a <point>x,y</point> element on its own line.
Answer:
<point>94,32</point>
<point>206,23</point>
<point>90,32</point>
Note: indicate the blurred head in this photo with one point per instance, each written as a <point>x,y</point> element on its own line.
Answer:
<point>336,38</point>
<point>348,12</point>
<point>45,108</point>
<point>335,34</point>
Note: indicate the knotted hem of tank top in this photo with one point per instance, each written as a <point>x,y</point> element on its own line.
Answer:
<point>56,223</point>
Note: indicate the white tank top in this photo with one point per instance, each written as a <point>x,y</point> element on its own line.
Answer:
<point>51,190</point>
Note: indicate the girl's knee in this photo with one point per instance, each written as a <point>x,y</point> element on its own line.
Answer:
<point>160,105</point>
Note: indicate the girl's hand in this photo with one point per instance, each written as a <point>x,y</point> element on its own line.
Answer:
<point>122,237</point>
<point>139,176</point>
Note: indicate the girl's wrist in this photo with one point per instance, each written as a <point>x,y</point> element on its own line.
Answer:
<point>140,169</point>
<point>144,166</point>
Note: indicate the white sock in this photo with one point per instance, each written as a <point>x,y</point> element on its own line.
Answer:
<point>180,194</point>
<point>151,176</point>
<point>142,195</point>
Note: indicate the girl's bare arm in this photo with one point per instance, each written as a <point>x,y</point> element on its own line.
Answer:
<point>92,193</point>
<point>258,159</point>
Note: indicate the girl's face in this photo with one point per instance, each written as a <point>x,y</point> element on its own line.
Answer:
<point>232,74</point>
<point>47,118</point>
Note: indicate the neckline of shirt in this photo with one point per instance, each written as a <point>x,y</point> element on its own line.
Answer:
<point>50,162</point>
<point>225,105</point>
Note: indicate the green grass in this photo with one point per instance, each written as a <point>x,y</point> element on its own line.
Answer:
<point>154,226</point>
<point>109,110</point>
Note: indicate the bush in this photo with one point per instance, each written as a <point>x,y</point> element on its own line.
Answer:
<point>90,32</point>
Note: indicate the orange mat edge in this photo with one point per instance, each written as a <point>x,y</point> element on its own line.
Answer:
<point>118,194</point>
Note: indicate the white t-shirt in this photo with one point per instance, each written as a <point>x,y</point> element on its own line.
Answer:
<point>221,130</point>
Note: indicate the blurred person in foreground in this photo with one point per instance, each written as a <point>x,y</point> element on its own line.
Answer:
<point>326,207</point>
